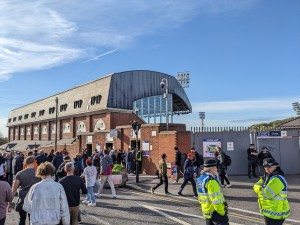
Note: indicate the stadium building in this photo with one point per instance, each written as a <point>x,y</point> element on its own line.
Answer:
<point>99,114</point>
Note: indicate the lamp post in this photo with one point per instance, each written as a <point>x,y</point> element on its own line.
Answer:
<point>164,82</point>
<point>296,107</point>
<point>136,127</point>
<point>56,115</point>
<point>202,117</point>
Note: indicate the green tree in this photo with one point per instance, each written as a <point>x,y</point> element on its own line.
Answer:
<point>3,140</point>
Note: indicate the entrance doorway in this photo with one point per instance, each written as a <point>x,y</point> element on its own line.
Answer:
<point>89,148</point>
<point>108,146</point>
<point>133,144</point>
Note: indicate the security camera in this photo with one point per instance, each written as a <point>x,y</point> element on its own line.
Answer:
<point>162,84</point>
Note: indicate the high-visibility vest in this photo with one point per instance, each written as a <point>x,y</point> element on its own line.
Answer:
<point>272,197</point>
<point>139,155</point>
<point>210,195</point>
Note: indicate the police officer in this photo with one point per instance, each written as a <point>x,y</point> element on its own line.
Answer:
<point>210,196</point>
<point>272,194</point>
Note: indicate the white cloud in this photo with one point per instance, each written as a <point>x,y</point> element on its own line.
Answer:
<point>41,34</point>
<point>3,128</point>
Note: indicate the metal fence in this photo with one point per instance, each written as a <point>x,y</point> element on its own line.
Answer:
<point>285,147</point>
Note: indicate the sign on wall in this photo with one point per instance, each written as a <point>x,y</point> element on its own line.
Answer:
<point>230,146</point>
<point>209,147</point>
<point>145,148</point>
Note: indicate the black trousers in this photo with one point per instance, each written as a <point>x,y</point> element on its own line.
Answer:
<point>223,177</point>
<point>251,168</point>
<point>163,179</point>
<point>193,185</point>
<point>9,178</point>
<point>217,219</point>
<point>23,215</point>
<point>269,221</point>
<point>179,172</point>
<point>2,221</point>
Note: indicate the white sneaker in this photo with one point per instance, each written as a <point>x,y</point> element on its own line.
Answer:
<point>85,202</point>
<point>97,194</point>
<point>152,190</point>
<point>174,182</point>
<point>114,197</point>
<point>228,185</point>
<point>92,204</point>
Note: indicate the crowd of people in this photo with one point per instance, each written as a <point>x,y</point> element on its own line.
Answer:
<point>48,186</point>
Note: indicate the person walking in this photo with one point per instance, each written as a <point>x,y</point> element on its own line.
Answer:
<point>105,174</point>
<point>24,180</point>
<point>252,161</point>
<point>46,201</point>
<point>272,191</point>
<point>222,167</point>
<point>162,168</point>
<point>210,196</point>
<point>17,164</point>
<point>90,175</point>
<point>6,196</point>
<point>9,169</point>
<point>2,168</point>
<point>198,161</point>
<point>78,162</point>
<point>72,185</point>
<point>178,164</point>
<point>129,160</point>
<point>57,161</point>
<point>41,157</point>
<point>188,175</point>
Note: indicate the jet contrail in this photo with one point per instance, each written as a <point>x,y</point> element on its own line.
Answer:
<point>98,56</point>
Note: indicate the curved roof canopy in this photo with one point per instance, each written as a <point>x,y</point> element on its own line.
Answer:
<point>127,87</point>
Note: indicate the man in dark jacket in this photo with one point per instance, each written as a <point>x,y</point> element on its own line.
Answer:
<point>9,169</point>
<point>41,158</point>
<point>57,161</point>
<point>17,164</point>
<point>252,160</point>
<point>178,164</point>
<point>264,154</point>
<point>188,174</point>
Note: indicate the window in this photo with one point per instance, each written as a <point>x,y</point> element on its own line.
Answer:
<point>22,131</point>
<point>100,125</point>
<point>78,104</point>
<point>33,114</point>
<point>66,128</point>
<point>14,119</point>
<point>44,130</point>
<point>63,107</point>
<point>9,120</point>
<point>17,132</point>
<point>81,127</point>
<point>51,110</point>
<point>28,130</point>
<point>41,112</point>
<point>96,99</point>
<point>53,129</point>
<point>35,130</point>
<point>20,118</point>
<point>26,116</point>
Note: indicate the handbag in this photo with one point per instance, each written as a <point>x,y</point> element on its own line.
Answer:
<point>20,200</point>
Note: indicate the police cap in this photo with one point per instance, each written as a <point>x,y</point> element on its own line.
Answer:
<point>269,162</point>
<point>210,163</point>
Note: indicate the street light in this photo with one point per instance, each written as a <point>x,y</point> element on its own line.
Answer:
<point>202,117</point>
<point>162,85</point>
<point>296,107</point>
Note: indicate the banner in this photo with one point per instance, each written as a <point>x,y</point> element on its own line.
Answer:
<point>209,147</point>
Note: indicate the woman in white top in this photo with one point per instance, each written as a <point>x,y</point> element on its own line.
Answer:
<point>90,174</point>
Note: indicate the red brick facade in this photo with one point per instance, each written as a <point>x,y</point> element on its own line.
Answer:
<point>160,141</point>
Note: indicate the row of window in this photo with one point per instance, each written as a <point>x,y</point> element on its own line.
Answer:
<point>66,128</point>
<point>77,104</point>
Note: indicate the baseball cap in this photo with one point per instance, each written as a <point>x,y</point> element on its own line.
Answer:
<point>88,161</point>
<point>269,162</point>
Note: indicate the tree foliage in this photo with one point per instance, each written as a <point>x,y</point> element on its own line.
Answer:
<point>3,140</point>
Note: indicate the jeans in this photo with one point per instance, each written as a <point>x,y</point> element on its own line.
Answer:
<point>197,171</point>
<point>129,166</point>
<point>179,172</point>
<point>191,179</point>
<point>107,178</point>
<point>90,195</point>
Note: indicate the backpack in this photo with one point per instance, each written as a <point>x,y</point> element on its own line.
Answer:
<point>227,159</point>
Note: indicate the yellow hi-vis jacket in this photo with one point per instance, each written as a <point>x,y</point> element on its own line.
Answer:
<point>272,197</point>
<point>210,196</point>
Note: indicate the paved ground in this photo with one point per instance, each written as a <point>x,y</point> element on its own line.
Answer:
<point>135,205</point>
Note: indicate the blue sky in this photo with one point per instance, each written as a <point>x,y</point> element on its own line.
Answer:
<point>243,56</point>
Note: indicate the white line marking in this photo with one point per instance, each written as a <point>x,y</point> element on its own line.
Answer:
<point>95,218</point>
<point>166,215</point>
<point>156,209</point>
